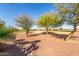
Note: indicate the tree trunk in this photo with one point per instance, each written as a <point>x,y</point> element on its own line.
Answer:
<point>27,33</point>
<point>70,35</point>
<point>46,30</point>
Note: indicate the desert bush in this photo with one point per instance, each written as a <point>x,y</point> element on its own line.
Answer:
<point>6,33</point>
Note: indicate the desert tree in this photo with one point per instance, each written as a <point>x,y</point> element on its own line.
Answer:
<point>70,14</point>
<point>24,22</point>
<point>49,20</point>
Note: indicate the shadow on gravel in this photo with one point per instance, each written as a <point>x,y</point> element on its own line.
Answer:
<point>53,34</point>
<point>18,50</point>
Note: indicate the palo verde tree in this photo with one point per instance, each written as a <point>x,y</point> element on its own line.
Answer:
<point>70,14</point>
<point>48,20</point>
<point>24,22</point>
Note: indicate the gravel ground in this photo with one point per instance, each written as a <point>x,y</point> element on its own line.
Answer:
<point>48,45</point>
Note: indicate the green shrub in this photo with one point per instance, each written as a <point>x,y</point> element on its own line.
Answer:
<point>6,33</point>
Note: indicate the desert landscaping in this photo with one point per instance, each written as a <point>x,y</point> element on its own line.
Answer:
<point>46,45</point>
<point>45,34</point>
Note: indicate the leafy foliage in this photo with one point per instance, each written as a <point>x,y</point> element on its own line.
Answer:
<point>24,22</point>
<point>44,21</point>
<point>70,12</point>
<point>6,33</point>
<point>49,20</point>
<point>2,23</point>
<point>56,20</point>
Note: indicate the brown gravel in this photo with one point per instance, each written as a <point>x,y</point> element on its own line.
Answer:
<point>52,45</point>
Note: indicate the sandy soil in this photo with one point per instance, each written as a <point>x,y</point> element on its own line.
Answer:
<point>50,45</point>
<point>54,44</point>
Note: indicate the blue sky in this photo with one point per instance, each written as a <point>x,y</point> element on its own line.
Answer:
<point>8,12</point>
